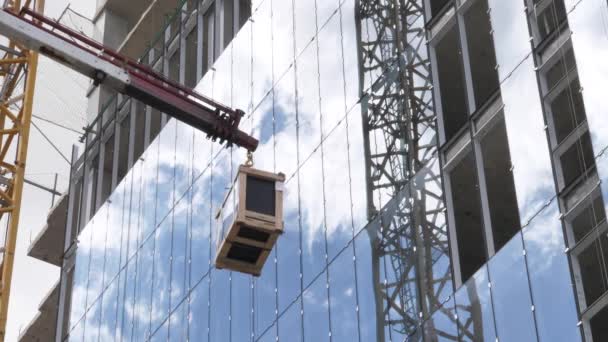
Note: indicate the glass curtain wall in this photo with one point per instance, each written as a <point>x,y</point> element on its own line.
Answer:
<point>144,264</point>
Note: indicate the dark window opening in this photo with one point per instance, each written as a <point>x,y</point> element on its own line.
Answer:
<point>592,262</point>
<point>577,159</point>
<point>568,111</point>
<point>588,219</point>
<point>174,64</point>
<point>190,68</point>
<point>155,123</point>
<point>504,212</point>
<point>208,39</point>
<point>228,21</point>
<point>176,22</point>
<point>481,52</point>
<point>108,160</point>
<point>559,70</point>
<point>78,203</point>
<point>192,5</point>
<point>260,196</point>
<point>140,120</point>
<point>467,217</point>
<point>123,148</point>
<point>599,325</point>
<point>244,11</point>
<point>244,253</point>
<point>92,191</point>
<point>451,83</point>
<point>550,18</point>
<point>437,6</point>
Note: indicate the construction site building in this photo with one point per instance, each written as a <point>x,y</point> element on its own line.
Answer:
<point>444,165</point>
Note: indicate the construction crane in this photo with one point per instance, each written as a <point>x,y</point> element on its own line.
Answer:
<point>30,33</point>
<point>410,253</point>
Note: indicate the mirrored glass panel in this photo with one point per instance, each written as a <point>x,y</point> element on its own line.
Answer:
<point>343,297</point>
<point>241,305</point>
<point>550,277</point>
<point>510,32</point>
<point>219,296</point>
<point>530,158</point>
<point>315,303</point>
<point>474,309</point>
<point>511,293</point>
<point>290,324</point>
<point>199,316</point>
<point>442,326</point>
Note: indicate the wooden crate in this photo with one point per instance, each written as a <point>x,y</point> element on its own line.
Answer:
<point>250,220</point>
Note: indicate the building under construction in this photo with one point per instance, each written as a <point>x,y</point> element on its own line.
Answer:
<point>443,170</point>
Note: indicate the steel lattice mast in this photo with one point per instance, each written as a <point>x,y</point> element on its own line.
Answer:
<point>411,268</point>
<point>18,73</point>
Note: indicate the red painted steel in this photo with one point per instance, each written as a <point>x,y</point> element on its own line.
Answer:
<point>152,88</point>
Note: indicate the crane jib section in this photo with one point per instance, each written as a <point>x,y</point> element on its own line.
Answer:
<point>127,76</point>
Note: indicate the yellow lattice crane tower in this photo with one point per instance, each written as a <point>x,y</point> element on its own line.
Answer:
<point>18,70</point>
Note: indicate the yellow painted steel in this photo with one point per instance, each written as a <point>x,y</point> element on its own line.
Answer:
<point>14,137</point>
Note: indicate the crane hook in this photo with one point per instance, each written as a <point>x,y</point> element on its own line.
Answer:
<point>249,161</point>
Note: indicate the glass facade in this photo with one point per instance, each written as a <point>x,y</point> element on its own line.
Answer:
<point>144,262</point>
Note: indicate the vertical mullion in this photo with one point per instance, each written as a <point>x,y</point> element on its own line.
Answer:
<point>465,60</point>
<point>483,196</point>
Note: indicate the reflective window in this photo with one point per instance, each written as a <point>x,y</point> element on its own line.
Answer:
<point>343,297</point>
<point>220,305</point>
<point>474,309</point>
<point>550,278</point>
<point>81,277</point>
<point>199,312</point>
<point>289,325</point>
<point>178,323</point>
<point>282,35</point>
<point>128,307</point>
<point>144,290</point>
<point>265,296</point>
<point>316,319</point>
<point>108,312</point>
<point>511,294</point>
<point>162,273</point>
<point>241,307</point>
<point>179,252</point>
<point>91,328</point>
<point>510,32</point>
<point>367,265</point>
<point>162,333</point>
<point>442,325</point>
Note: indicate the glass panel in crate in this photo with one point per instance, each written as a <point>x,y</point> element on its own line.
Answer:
<point>260,196</point>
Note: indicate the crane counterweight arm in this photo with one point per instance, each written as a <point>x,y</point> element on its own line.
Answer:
<point>125,75</point>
